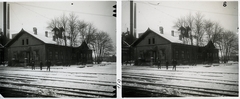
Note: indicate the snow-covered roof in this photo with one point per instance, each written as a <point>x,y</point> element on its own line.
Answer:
<point>42,38</point>
<point>170,38</point>
<point>173,39</point>
<point>48,40</point>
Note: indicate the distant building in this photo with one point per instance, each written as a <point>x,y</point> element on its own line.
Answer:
<point>26,47</point>
<point>153,46</point>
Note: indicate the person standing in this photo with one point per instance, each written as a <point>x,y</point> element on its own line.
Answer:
<point>33,65</point>
<point>159,64</point>
<point>48,65</point>
<point>167,65</point>
<point>41,64</point>
<point>174,62</point>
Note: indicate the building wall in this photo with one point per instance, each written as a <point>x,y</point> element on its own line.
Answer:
<point>151,49</point>
<point>26,49</point>
<point>22,41</point>
<point>58,55</point>
<point>184,54</point>
<point>82,56</point>
<point>153,39</point>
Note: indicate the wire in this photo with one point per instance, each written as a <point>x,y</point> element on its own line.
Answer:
<point>33,11</point>
<point>16,15</point>
<point>190,9</point>
<point>163,12</point>
<point>68,10</point>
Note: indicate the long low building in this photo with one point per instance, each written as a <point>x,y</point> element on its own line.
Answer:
<point>152,46</point>
<point>26,47</point>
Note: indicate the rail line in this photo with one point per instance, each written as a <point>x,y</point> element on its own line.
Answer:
<point>18,84</point>
<point>86,81</point>
<point>133,82</point>
<point>215,81</point>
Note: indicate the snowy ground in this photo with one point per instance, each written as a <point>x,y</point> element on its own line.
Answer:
<point>61,81</point>
<point>200,80</point>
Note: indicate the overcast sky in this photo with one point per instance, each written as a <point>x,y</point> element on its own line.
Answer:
<point>149,14</point>
<point>27,15</point>
<point>165,13</point>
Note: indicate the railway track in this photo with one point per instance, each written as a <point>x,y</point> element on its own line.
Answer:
<point>24,85</point>
<point>152,85</point>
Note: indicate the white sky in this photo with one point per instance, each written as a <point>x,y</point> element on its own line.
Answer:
<point>149,14</point>
<point>165,13</point>
<point>1,17</point>
<point>30,14</point>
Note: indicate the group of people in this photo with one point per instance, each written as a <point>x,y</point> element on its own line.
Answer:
<point>174,63</point>
<point>48,64</point>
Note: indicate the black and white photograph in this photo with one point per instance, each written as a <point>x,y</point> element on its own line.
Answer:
<point>58,49</point>
<point>179,49</point>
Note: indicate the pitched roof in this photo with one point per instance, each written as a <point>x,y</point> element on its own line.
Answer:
<point>41,38</point>
<point>84,46</point>
<point>169,38</point>
<point>210,45</point>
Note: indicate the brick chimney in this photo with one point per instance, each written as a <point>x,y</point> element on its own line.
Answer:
<point>35,30</point>
<point>172,33</point>
<point>46,33</point>
<point>161,29</point>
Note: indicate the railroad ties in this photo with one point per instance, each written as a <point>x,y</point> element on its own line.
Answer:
<point>83,85</point>
<point>168,85</point>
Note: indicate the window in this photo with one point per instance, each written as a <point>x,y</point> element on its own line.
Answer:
<point>26,41</point>
<point>22,42</point>
<point>149,41</point>
<point>56,55</point>
<point>50,55</point>
<point>176,54</point>
<point>153,40</point>
<point>182,54</point>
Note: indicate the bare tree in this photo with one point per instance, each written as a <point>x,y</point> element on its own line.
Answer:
<point>72,24</point>
<point>216,32</point>
<point>190,22</point>
<point>53,23</point>
<point>227,44</point>
<point>213,31</point>
<point>103,44</point>
<point>183,22</point>
<point>63,21</point>
<point>77,31</point>
<point>208,28</point>
<point>196,25</point>
<point>90,35</point>
<point>199,30</point>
